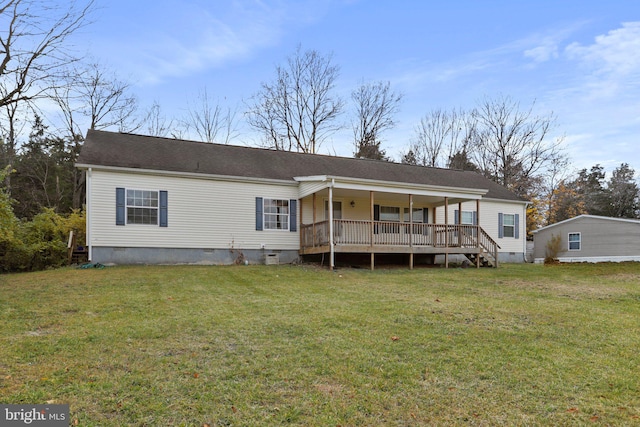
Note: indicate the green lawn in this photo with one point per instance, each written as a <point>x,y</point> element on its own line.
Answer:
<point>257,345</point>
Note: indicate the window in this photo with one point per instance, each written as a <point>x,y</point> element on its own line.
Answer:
<point>147,207</point>
<point>142,207</point>
<point>575,240</point>
<point>386,214</point>
<point>276,214</point>
<point>418,215</point>
<point>508,225</point>
<point>337,209</point>
<point>466,218</point>
<point>389,213</point>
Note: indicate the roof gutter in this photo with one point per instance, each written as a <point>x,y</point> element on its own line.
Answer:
<point>195,175</point>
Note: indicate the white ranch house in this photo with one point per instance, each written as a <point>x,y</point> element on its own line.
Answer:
<point>157,200</point>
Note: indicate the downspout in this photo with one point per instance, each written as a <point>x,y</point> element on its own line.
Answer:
<point>331,245</point>
<point>88,216</point>
<point>524,234</point>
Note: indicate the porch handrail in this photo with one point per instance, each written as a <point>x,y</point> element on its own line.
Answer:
<point>358,232</point>
<point>487,243</point>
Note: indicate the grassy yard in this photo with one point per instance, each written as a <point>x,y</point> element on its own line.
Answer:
<point>256,345</point>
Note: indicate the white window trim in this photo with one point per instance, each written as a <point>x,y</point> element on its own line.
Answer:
<point>504,226</point>
<point>127,206</point>
<point>579,241</point>
<point>265,213</point>
<point>405,212</point>
<point>469,223</point>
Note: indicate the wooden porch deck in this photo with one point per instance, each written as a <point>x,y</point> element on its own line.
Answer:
<point>384,237</point>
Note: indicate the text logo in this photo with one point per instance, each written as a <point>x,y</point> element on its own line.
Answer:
<point>34,415</point>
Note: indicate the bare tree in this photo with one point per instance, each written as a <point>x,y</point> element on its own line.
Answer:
<point>155,123</point>
<point>375,107</point>
<point>11,126</point>
<point>430,136</point>
<point>298,110</point>
<point>210,121</point>
<point>94,97</point>
<point>33,56</point>
<point>32,45</point>
<point>443,138</point>
<point>514,146</point>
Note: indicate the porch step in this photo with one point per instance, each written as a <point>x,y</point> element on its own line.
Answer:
<point>485,261</point>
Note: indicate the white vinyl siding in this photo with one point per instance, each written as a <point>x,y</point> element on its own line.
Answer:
<point>203,213</point>
<point>488,220</point>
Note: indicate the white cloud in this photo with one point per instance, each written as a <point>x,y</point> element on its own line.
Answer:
<point>613,53</point>
<point>542,53</point>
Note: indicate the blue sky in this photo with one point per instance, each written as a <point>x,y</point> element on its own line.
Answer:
<point>577,59</point>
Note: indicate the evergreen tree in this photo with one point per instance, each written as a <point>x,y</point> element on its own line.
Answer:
<point>622,191</point>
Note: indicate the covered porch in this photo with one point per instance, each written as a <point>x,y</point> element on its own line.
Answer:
<point>370,217</point>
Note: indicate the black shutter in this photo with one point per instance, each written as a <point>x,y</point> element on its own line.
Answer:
<point>259,213</point>
<point>293,210</point>
<point>163,209</point>
<point>120,206</point>
<point>376,217</point>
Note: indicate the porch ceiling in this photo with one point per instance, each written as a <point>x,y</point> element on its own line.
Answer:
<point>351,188</point>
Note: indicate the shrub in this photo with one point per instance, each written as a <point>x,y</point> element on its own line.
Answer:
<point>552,249</point>
<point>42,242</point>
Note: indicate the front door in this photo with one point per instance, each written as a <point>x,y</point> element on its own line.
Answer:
<point>337,209</point>
<point>337,214</point>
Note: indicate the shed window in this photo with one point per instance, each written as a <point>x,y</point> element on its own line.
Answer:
<point>575,241</point>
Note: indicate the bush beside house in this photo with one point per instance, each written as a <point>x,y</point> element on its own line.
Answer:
<point>39,243</point>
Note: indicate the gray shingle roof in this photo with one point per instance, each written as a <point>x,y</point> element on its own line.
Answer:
<point>111,149</point>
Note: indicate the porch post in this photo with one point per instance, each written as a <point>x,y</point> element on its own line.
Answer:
<point>478,232</point>
<point>410,231</point>
<point>331,248</point>
<point>459,228</point>
<point>446,233</point>
<point>371,216</point>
